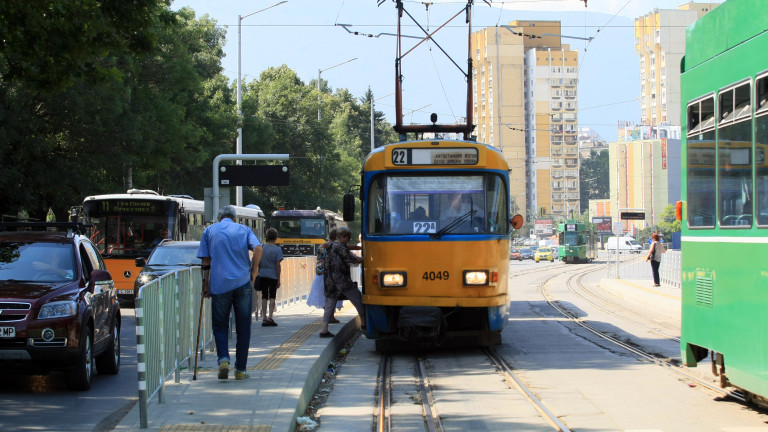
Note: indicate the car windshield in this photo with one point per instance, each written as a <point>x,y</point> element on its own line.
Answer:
<point>526,250</point>
<point>36,262</point>
<point>545,250</point>
<point>174,256</point>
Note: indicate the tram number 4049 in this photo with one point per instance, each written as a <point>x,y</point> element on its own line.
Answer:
<point>438,275</point>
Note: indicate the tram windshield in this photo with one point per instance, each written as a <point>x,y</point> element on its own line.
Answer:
<point>407,204</point>
<point>130,227</point>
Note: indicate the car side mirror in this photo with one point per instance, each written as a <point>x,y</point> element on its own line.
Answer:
<point>98,276</point>
<point>141,262</point>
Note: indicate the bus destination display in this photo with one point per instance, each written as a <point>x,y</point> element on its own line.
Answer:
<point>434,156</point>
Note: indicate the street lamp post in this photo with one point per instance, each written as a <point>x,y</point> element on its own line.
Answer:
<point>239,146</point>
<point>320,71</point>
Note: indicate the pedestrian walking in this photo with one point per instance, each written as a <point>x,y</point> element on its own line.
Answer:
<point>316,297</point>
<point>228,274</point>
<point>269,277</point>
<point>338,281</point>
<point>654,256</point>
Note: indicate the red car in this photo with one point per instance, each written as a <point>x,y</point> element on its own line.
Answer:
<point>514,253</point>
<point>58,304</point>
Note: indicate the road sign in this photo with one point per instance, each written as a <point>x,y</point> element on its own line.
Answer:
<point>631,215</point>
<point>253,175</point>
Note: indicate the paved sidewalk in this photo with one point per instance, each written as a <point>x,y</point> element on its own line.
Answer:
<point>665,299</point>
<point>285,364</point>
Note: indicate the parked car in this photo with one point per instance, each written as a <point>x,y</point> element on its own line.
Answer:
<point>544,254</point>
<point>58,304</point>
<point>514,254</point>
<point>168,256</point>
<point>526,253</point>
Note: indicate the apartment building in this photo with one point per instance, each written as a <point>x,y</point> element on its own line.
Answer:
<point>660,44</point>
<point>526,103</point>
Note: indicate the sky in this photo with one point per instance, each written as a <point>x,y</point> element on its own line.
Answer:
<point>307,36</point>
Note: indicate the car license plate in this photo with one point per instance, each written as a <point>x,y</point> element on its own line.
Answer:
<point>7,332</point>
<point>125,291</point>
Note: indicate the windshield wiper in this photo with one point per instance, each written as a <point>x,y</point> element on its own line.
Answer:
<point>458,221</point>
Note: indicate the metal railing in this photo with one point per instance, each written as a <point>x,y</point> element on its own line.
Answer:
<point>633,266</point>
<point>167,316</point>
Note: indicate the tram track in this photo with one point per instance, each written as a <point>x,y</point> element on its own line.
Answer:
<point>608,306</point>
<point>384,409</point>
<point>632,348</point>
<point>386,413</point>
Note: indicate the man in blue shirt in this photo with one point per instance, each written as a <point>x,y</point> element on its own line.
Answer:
<point>228,273</point>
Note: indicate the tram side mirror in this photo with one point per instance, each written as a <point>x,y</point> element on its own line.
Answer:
<point>349,207</point>
<point>516,221</point>
<point>183,224</point>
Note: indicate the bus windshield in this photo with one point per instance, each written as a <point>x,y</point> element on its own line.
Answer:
<point>299,227</point>
<point>129,227</point>
<point>462,203</point>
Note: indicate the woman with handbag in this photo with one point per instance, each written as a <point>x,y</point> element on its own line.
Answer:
<point>654,256</point>
<point>269,277</point>
<point>338,281</point>
<point>316,297</point>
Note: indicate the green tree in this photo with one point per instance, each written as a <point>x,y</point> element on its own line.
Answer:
<point>665,227</point>
<point>166,113</point>
<point>594,177</point>
<point>49,45</point>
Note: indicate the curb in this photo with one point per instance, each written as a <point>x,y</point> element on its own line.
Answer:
<point>317,370</point>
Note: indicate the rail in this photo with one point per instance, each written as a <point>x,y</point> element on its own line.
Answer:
<point>167,315</point>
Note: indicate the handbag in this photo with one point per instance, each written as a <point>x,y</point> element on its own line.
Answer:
<point>257,284</point>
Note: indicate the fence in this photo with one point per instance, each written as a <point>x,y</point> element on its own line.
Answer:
<point>633,266</point>
<point>167,315</point>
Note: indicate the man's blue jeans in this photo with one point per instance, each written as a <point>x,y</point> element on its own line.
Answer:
<point>221,304</point>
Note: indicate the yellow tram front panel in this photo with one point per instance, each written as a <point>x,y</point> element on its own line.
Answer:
<point>434,276</point>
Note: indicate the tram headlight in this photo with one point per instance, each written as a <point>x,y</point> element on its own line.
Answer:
<point>393,279</point>
<point>475,277</point>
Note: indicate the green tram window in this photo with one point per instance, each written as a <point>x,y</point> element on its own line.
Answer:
<point>701,163</point>
<point>761,146</point>
<point>734,139</point>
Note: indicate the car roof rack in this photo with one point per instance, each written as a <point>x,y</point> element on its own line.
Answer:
<point>72,227</point>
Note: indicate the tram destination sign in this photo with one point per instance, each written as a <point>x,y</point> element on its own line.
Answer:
<point>434,156</point>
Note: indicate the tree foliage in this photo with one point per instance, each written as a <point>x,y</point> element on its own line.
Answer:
<point>98,97</point>
<point>594,177</point>
<point>665,228</point>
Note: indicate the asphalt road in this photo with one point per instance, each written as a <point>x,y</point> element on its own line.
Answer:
<point>43,403</point>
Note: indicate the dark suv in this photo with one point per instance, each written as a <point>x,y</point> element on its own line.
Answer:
<point>58,304</point>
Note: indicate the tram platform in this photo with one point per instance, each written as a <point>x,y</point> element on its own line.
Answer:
<point>285,364</point>
<point>665,299</point>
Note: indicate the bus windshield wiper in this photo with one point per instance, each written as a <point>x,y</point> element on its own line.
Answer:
<point>458,221</point>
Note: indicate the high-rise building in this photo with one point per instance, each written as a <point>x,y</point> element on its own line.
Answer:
<point>526,103</point>
<point>660,43</point>
<point>644,167</point>
<point>499,111</point>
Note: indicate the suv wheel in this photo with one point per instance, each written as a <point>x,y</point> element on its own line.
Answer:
<point>80,377</point>
<point>108,362</point>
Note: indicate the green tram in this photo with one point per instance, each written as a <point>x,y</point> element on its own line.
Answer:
<point>577,242</point>
<point>724,89</point>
